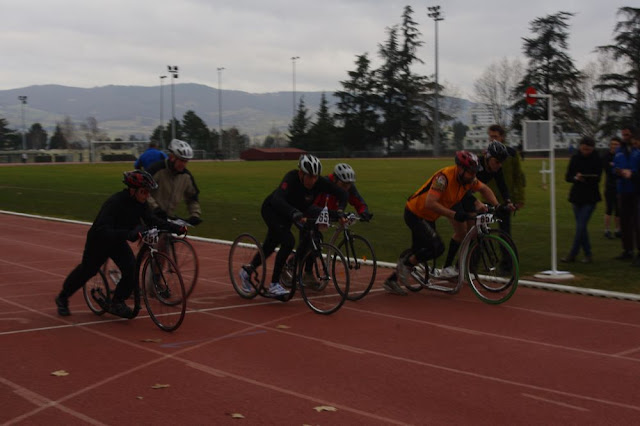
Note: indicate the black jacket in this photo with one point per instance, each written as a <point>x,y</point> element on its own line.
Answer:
<point>587,191</point>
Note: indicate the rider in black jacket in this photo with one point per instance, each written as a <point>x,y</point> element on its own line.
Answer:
<point>124,216</point>
<point>292,201</point>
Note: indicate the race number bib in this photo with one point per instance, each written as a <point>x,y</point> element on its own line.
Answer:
<point>323,218</point>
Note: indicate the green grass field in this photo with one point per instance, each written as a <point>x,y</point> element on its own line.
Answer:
<point>232,193</point>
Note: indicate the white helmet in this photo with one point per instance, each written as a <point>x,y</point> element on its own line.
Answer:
<point>310,165</point>
<point>344,173</point>
<point>181,149</point>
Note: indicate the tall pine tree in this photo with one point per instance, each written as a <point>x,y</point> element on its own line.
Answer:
<point>550,70</point>
<point>623,89</point>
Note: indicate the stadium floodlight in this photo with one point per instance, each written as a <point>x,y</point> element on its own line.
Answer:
<point>23,99</point>
<point>293,63</point>
<point>162,77</point>
<point>173,70</point>
<point>434,12</point>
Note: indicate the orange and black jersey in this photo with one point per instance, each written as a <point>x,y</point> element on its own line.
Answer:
<point>445,184</point>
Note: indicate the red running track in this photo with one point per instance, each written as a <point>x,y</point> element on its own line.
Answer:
<point>429,358</point>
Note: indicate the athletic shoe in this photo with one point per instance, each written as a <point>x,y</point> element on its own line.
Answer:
<point>275,289</point>
<point>391,286</point>
<point>448,272</point>
<point>120,309</point>
<point>245,279</point>
<point>403,271</point>
<point>311,281</point>
<point>626,255</point>
<point>608,234</point>
<point>63,306</point>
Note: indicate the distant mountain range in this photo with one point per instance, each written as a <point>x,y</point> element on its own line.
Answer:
<point>122,111</point>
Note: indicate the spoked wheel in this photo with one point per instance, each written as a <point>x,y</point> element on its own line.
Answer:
<point>163,291</point>
<point>492,269</point>
<point>186,259</point>
<point>95,290</point>
<point>246,279</point>
<point>416,276</point>
<point>362,266</point>
<point>331,272</point>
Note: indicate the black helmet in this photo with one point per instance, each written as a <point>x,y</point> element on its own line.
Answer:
<point>498,151</point>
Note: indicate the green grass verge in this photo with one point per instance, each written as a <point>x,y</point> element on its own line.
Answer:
<point>232,193</point>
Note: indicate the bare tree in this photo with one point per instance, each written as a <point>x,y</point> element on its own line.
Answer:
<point>495,87</point>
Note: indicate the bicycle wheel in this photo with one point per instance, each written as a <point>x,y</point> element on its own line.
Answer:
<point>186,259</point>
<point>243,251</point>
<point>505,236</point>
<point>416,276</point>
<point>331,270</point>
<point>492,269</point>
<point>95,290</point>
<point>163,291</point>
<point>361,259</point>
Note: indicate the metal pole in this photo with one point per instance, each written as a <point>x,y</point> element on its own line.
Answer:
<point>552,166</point>
<point>220,109</point>
<point>162,77</point>
<point>436,15</point>
<point>23,99</point>
<point>173,69</point>
<point>293,64</point>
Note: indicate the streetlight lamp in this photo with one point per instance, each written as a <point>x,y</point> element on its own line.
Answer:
<point>434,12</point>
<point>173,70</point>
<point>162,77</point>
<point>293,63</point>
<point>23,99</point>
<point>220,69</point>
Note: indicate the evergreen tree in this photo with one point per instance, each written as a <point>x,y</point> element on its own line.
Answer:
<point>298,129</point>
<point>357,108</point>
<point>623,88</point>
<point>322,134</point>
<point>36,137</point>
<point>196,132</point>
<point>58,140</point>
<point>551,71</point>
<point>9,139</point>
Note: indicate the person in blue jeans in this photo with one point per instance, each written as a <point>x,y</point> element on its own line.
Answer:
<point>584,172</point>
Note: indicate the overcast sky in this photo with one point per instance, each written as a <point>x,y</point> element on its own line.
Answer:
<point>89,43</point>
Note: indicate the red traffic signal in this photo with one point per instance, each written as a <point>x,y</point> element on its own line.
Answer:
<point>528,95</point>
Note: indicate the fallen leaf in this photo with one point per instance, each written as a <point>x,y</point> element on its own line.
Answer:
<point>236,415</point>
<point>59,373</point>
<point>159,386</point>
<point>325,408</point>
<point>151,340</point>
<point>282,326</point>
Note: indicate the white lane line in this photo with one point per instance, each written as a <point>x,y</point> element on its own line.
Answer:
<point>551,401</point>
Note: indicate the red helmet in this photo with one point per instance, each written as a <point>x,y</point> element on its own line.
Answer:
<point>139,179</point>
<point>467,160</point>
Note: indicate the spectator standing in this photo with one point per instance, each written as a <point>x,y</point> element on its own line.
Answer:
<point>610,192</point>
<point>623,168</point>
<point>635,177</point>
<point>584,172</point>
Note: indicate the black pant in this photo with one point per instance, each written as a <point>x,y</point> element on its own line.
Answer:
<point>426,244</point>
<point>627,208</point>
<point>96,252</point>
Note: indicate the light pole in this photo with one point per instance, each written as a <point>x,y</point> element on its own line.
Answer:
<point>220,69</point>
<point>293,63</point>
<point>162,77</point>
<point>173,70</point>
<point>23,99</point>
<point>434,12</point>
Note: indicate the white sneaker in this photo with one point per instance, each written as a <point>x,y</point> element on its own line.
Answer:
<point>245,279</point>
<point>275,289</point>
<point>403,271</point>
<point>448,272</point>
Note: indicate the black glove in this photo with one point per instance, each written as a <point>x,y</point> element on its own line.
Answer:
<point>159,213</point>
<point>134,234</point>
<point>297,216</point>
<point>366,216</point>
<point>194,221</point>
<point>461,216</point>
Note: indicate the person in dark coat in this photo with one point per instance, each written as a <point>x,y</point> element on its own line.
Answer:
<point>584,172</point>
